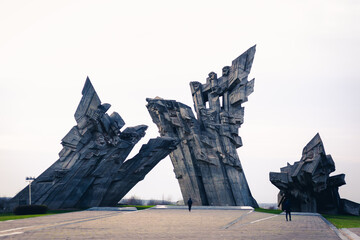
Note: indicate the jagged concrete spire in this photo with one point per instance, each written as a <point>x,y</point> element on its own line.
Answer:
<point>91,170</point>
<point>206,162</point>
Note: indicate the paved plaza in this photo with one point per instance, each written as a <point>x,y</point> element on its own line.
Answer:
<point>200,223</point>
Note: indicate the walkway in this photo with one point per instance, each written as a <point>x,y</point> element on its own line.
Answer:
<point>205,223</point>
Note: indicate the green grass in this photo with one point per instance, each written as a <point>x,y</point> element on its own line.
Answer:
<point>11,216</point>
<point>273,211</point>
<point>343,221</point>
<point>138,207</point>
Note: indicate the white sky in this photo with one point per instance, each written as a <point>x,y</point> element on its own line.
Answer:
<point>306,69</point>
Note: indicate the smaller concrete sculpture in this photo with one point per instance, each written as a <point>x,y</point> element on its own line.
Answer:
<point>309,185</point>
<point>91,170</point>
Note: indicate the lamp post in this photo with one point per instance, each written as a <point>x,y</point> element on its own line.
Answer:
<point>30,179</point>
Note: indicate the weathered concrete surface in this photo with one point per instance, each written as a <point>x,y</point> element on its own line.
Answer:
<point>309,184</point>
<point>168,224</point>
<point>92,170</point>
<point>206,162</point>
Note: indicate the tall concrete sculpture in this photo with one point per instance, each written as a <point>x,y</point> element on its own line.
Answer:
<point>92,170</point>
<point>206,163</point>
<point>308,184</point>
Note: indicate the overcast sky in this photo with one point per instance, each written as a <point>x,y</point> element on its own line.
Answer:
<point>306,70</point>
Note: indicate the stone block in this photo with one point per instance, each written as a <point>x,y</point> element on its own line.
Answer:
<point>350,207</point>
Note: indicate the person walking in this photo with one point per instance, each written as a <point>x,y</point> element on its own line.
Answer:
<point>189,203</point>
<point>286,206</point>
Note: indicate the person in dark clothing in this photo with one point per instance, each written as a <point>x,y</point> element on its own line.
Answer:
<point>189,203</point>
<point>286,206</point>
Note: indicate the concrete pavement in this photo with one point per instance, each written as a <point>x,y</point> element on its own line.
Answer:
<point>164,223</point>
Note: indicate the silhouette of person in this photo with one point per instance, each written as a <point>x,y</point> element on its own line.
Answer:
<point>189,203</point>
<point>286,206</point>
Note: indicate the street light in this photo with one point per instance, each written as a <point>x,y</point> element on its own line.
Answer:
<point>30,179</point>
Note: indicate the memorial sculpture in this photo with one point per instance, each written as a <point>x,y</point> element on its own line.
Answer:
<point>92,170</point>
<point>308,184</point>
<point>206,162</point>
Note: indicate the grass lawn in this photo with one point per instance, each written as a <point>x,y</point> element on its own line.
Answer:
<point>343,221</point>
<point>273,211</point>
<point>11,216</point>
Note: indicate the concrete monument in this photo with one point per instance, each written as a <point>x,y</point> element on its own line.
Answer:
<point>308,184</point>
<point>92,170</point>
<point>206,162</point>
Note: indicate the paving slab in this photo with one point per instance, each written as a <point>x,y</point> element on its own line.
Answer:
<point>355,230</point>
<point>52,219</point>
<point>168,224</point>
<point>351,233</point>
